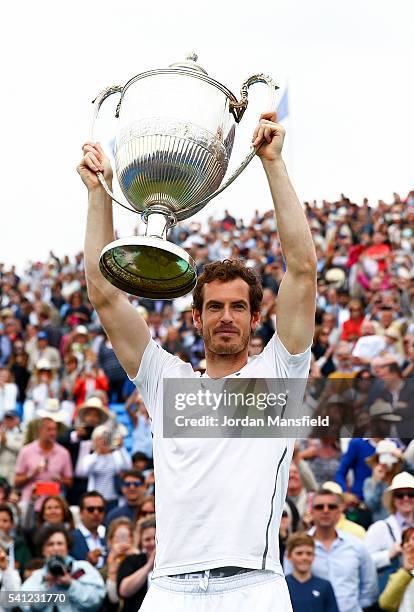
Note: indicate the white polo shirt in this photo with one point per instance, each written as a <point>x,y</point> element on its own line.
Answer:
<point>218,501</point>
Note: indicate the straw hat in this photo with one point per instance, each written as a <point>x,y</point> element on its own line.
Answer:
<point>335,277</point>
<point>403,480</point>
<point>333,487</point>
<point>97,404</point>
<point>43,364</point>
<point>52,410</point>
<point>382,410</point>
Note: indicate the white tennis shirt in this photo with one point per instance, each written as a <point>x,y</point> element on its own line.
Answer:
<point>218,501</point>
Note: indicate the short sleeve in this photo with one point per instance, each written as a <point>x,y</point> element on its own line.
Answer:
<point>156,364</point>
<point>21,463</point>
<point>284,363</point>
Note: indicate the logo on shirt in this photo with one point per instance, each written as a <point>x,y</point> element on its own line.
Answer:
<point>316,593</point>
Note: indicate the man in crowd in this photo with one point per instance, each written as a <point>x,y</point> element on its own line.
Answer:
<point>133,491</point>
<point>340,557</point>
<point>307,592</point>
<point>11,441</point>
<point>43,460</point>
<point>89,537</point>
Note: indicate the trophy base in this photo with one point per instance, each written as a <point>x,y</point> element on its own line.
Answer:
<point>148,267</point>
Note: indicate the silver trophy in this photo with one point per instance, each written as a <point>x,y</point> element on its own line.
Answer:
<point>172,150</point>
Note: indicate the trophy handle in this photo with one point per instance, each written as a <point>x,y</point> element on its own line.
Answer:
<point>97,103</point>
<point>238,109</point>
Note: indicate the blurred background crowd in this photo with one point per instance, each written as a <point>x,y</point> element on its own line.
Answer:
<point>76,476</point>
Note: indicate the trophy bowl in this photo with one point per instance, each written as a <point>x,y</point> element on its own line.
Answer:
<point>172,149</point>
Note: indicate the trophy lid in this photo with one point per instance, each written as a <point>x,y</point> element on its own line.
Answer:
<point>190,62</point>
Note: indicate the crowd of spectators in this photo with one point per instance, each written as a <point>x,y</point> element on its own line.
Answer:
<point>77,485</point>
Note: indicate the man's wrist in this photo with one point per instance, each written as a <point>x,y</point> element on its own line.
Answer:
<point>274,165</point>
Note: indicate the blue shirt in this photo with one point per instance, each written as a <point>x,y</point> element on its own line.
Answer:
<point>349,568</point>
<point>354,459</point>
<point>314,595</point>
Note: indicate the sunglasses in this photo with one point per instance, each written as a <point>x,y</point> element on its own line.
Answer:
<point>92,509</point>
<point>146,512</point>
<point>409,494</point>
<point>132,483</point>
<point>320,507</point>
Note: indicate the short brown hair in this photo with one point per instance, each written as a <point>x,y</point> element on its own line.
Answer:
<point>299,539</point>
<point>122,521</point>
<point>228,270</point>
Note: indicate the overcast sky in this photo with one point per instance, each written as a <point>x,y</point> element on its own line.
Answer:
<point>348,65</point>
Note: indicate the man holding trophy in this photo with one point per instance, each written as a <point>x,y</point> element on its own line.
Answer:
<point>219,501</point>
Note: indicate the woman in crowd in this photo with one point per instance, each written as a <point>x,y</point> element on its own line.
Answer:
<point>54,511</point>
<point>104,464</point>
<point>134,572</point>
<point>81,583</point>
<point>14,543</point>
<point>398,595</point>
<point>385,463</point>
<point>9,577</point>
<point>383,538</point>
<point>43,385</point>
<point>120,537</point>
<point>147,507</point>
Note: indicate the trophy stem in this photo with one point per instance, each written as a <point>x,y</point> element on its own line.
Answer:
<point>156,225</point>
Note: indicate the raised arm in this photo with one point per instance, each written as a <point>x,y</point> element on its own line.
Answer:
<point>295,311</point>
<point>124,326</point>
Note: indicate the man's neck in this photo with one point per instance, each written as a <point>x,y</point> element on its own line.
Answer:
<point>46,445</point>
<point>325,535</point>
<point>302,576</point>
<point>219,366</point>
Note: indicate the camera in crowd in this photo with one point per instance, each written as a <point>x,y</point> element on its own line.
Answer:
<point>57,566</point>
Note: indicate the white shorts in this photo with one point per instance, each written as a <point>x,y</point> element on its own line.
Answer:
<point>252,591</point>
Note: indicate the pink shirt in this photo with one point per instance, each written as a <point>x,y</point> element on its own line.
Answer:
<point>58,464</point>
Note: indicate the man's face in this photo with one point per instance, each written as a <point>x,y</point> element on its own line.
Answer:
<point>48,432</point>
<point>55,545</point>
<point>10,422</point>
<point>326,511</point>
<point>5,522</point>
<point>92,417</point>
<point>92,512</point>
<point>255,346</point>
<point>226,321</point>
<point>132,489</point>
<point>301,557</point>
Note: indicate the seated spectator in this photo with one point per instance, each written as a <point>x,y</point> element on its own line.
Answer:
<point>13,543</point>
<point>368,346</point>
<point>147,507</point>
<point>307,592</point>
<point>351,329</point>
<point>141,433</point>
<point>114,372</point>
<point>398,595</point>
<point>340,557</point>
<point>54,511</point>
<point>141,461</point>
<point>344,524</point>
<point>42,386</point>
<point>89,380</point>
<point>353,460</point>
<point>11,441</point>
<point>78,441</point>
<point>323,456</point>
<point>89,537</point>
<point>134,571</point>
<point>104,464</point>
<point>8,392</point>
<point>80,581</point>
<point>133,491</point>
<point>43,461</point>
<point>9,576</point>
<point>19,370</point>
<point>385,463</point>
<point>120,545</point>
<point>383,539</point>
<point>42,350</point>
